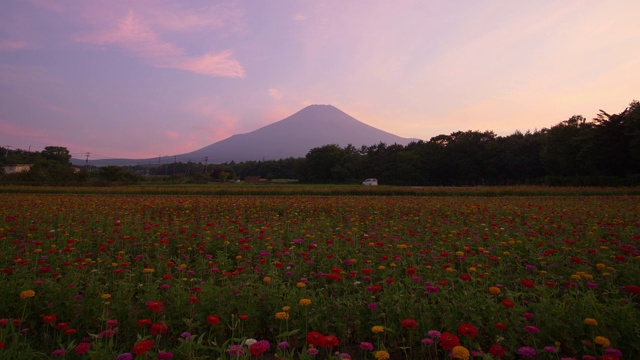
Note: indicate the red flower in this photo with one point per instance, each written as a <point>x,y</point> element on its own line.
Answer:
<point>465,277</point>
<point>142,347</point>
<point>213,319</point>
<point>257,348</point>
<point>500,326</point>
<point>144,322</point>
<point>155,306</point>
<point>193,299</point>
<point>496,350</point>
<point>468,330</point>
<point>409,324</point>
<point>411,271</point>
<point>158,329</point>
<point>448,341</point>
<point>49,319</point>
<point>632,289</point>
<point>82,348</point>
<point>330,341</point>
<point>243,316</point>
<point>508,303</point>
<point>528,283</point>
<point>390,281</point>
<point>315,338</point>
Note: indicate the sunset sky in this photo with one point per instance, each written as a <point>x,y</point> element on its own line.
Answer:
<point>143,78</point>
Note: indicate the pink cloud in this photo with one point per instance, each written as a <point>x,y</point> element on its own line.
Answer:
<point>13,45</point>
<point>137,37</point>
<point>219,123</point>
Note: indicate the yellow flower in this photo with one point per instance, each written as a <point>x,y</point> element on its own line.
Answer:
<point>27,294</point>
<point>494,290</point>
<point>286,308</point>
<point>304,302</point>
<point>460,352</point>
<point>381,355</point>
<point>282,315</point>
<point>105,296</point>
<point>300,284</point>
<point>602,341</point>
<point>266,280</point>
<point>148,271</point>
<point>591,321</point>
<point>377,329</point>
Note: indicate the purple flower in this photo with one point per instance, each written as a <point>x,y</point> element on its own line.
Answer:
<point>58,352</point>
<point>527,351</point>
<point>313,351</point>
<point>432,289</point>
<point>236,350</point>
<point>434,334</point>
<point>283,345</point>
<point>613,352</point>
<point>125,356</point>
<point>366,346</point>
<point>550,349</point>
<point>427,341</point>
<point>372,306</point>
<point>165,355</point>
<point>185,335</point>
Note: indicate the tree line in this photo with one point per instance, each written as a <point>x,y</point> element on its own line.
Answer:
<point>601,151</point>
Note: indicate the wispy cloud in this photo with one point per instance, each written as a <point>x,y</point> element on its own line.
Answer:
<point>275,94</point>
<point>13,45</point>
<point>218,122</point>
<point>136,37</point>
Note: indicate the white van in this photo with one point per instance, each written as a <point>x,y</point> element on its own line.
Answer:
<point>370,182</point>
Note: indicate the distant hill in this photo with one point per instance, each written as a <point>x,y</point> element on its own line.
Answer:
<point>294,136</point>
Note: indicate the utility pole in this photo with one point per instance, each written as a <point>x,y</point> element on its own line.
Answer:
<point>206,160</point>
<point>86,162</point>
<point>174,164</point>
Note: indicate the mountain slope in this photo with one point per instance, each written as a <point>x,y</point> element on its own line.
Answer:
<point>294,136</point>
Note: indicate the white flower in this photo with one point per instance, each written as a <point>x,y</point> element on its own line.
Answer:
<point>250,342</point>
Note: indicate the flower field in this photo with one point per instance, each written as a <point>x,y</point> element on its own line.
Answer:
<point>123,276</point>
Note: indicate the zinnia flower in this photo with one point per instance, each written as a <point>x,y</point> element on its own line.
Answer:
<point>448,341</point>
<point>27,294</point>
<point>497,350</point>
<point>236,350</point>
<point>259,347</point>
<point>409,323</point>
<point>467,330</point>
<point>508,303</point>
<point>381,355</point>
<point>213,319</point>
<point>142,347</point>
<point>527,351</point>
<point>282,315</point>
<point>82,348</point>
<point>377,329</point>
<point>460,352</point>
<point>304,302</point>
<point>591,321</point>
<point>366,346</point>
<point>602,341</point>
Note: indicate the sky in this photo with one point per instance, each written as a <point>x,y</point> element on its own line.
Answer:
<point>149,78</point>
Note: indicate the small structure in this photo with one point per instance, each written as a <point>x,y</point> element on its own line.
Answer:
<point>16,168</point>
<point>252,179</point>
